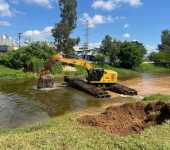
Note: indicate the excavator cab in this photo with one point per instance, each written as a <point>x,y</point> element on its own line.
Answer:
<point>95,74</point>
<point>101,76</point>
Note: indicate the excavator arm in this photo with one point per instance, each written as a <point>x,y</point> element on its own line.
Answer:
<point>59,57</point>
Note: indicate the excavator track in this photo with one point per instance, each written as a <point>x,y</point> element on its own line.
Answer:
<point>120,89</point>
<point>86,87</point>
<point>98,91</point>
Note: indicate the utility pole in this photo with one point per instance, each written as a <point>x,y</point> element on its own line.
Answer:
<point>19,39</point>
<point>86,44</point>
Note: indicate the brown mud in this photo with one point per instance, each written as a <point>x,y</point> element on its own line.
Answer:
<point>129,118</point>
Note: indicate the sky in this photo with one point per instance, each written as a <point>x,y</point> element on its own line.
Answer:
<point>141,20</point>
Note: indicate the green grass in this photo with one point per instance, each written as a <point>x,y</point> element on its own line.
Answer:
<point>151,68</point>
<point>156,97</point>
<point>65,133</point>
<point>8,73</point>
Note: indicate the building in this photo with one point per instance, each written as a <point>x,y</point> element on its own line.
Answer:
<point>88,53</point>
<point>7,43</point>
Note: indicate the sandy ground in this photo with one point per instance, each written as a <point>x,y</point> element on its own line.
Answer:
<point>69,68</point>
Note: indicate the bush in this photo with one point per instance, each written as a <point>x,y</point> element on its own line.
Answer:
<point>100,59</point>
<point>37,64</point>
<point>30,58</point>
<point>57,68</point>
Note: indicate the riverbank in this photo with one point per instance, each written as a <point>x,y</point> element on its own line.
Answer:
<point>64,132</point>
<point>151,68</point>
<point>8,73</point>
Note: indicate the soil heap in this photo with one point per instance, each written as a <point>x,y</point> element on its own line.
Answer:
<point>129,118</point>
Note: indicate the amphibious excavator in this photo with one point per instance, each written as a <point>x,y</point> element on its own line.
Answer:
<point>98,80</point>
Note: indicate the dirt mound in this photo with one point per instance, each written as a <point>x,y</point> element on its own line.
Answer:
<point>131,117</point>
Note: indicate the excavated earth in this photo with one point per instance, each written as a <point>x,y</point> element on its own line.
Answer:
<point>129,118</point>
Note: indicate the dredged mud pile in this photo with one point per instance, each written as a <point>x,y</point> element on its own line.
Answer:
<point>129,118</point>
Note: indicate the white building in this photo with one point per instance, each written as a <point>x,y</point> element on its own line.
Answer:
<point>6,43</point>
<point>88,53</point>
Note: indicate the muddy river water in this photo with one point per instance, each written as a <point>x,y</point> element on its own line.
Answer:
<point>21,104</point>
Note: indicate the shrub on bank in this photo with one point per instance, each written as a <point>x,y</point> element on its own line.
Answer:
<point>30,58</point>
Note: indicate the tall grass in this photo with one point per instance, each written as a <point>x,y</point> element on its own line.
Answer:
<point>38,64</point>
<point>8,73</point>
<point>151,68</point>
<point>57,68</point>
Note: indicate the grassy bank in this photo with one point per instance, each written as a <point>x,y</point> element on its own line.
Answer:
<point>156,97</point>
<point>8,73</point>
<point>65,133</point>
<point>151,68</point>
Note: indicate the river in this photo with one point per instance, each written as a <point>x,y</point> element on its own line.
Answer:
<point>21,104</point>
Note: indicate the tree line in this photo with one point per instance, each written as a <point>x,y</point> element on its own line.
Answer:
<point>121,54</point>
<point>162,56</point>
<point>131,54</point>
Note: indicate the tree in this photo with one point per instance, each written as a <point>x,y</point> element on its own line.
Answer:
<point>110,48</point>
<point>106,45</point>
<point>160,58</point>
<point>100,59</point>
<point>165,41</point>
<point>114,52</point>
<point>131,54</point>
<point>64,28</point>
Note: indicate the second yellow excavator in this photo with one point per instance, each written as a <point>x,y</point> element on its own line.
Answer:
<point>97,81</point>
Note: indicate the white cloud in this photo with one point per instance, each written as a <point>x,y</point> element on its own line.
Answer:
<point>126,35</point>
<point>113,4</point>
<point>106,5</point>
<point>17,12</point>
<point>126,25</point>
<point>37,35</point>
<point>4,23</point>
<point>98,19</point>
<point>5,9</point>
<point>44,3</point>
<point>151,48</point>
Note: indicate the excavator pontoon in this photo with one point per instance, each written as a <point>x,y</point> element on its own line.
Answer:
<point>98,80</point>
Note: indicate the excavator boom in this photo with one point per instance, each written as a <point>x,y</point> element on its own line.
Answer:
<point>59,57</point>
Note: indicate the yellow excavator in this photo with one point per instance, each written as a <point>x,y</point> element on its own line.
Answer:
<point>98,80</point>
